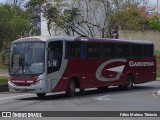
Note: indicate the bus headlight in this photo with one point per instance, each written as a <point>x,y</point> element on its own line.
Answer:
<point>38,81</point>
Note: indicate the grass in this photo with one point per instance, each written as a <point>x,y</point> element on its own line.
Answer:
<point>3,80</point>
<point>157,53</point>
<point>3,68</point>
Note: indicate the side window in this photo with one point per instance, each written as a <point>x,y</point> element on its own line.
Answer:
<point>109,50</point>
<point>148,51</point>
<point>16,60</point>
<point>123,50</point>
<point>75,50</point>
<point>55,49</point>
<point>137,50</point>
<point>93,50</point>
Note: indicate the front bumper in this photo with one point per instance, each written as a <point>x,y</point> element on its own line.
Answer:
<point>39,87</point>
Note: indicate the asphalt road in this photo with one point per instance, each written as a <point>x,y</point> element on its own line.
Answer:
<point>142,98</point>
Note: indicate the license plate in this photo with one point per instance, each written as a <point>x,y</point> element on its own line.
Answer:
<point>22,89</point>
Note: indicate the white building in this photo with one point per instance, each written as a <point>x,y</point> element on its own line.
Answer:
<point>44,26</point>
<point>153,6</point>
<point>94,12</point>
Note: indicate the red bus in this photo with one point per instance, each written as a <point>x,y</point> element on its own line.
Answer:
<point>52,64</point>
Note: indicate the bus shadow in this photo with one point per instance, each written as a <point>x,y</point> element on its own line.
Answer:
<point>92,92</point>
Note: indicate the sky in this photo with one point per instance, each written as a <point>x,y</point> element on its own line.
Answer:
<point>2,1</point>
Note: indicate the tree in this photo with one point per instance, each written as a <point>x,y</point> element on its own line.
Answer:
<point>82,17</point>
<point>129,17</point>
<point>85,17</point>
<point>62,16</point>
<point>93,17</point>
<point>33,8</point>
<point>13,23</point>
<point>154,23</point>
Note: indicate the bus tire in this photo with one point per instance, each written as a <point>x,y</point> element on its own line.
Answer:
<point>129,82</point>
<point>71,89</point>
<point>41,95</point>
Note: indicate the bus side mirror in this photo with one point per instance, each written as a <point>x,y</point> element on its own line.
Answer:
<point>5,60</point>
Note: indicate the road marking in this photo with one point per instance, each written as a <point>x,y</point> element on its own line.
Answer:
<point>105,97</point>
<point>14,96</point>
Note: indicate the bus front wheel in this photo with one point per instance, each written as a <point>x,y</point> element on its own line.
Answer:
<point>71,89</point>
<point>41,95</point>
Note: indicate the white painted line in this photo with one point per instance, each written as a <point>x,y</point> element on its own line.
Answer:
<point>14,96</point>
<point>105,97</point>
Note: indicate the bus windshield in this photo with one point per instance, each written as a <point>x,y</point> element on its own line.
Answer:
<point>27,58</point>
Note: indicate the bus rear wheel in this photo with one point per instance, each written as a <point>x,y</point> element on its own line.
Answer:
<point>71,89</point>
<point>129,82</point>
<point>41,95</point>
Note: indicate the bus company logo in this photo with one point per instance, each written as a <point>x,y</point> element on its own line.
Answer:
<point>117,69</point>
<point>140,64</point>
<point>18,81</point>
<point>6,114</point>
<point>21,114</point>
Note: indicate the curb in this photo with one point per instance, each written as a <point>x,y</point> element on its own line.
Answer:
<point>4,88</point>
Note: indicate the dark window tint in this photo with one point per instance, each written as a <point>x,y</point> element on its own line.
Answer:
<point>109,50</point>
<point>93,49</point>
<point>137,50</point>
<point>75,50</point>
<point>122,50</point>
<point>148,51</point>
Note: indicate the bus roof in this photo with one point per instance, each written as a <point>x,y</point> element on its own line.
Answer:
<point>114,40</point>
<point>71,38</point>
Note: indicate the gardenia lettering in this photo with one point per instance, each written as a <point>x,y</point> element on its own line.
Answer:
<point>138,64</point>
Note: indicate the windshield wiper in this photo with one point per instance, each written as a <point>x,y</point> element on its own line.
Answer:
<point>16,71</point>
<point>23,71</point>
<point>28,70</point>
